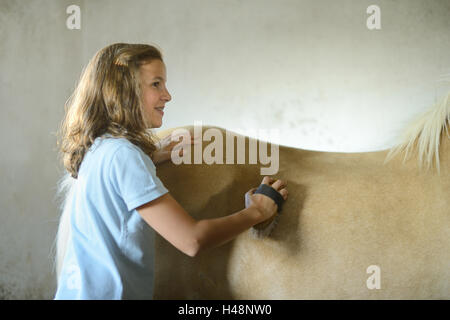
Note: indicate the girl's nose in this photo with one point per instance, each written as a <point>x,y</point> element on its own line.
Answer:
<point>167,97</point>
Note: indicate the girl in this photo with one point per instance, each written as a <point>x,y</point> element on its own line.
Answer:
<point>105,238</point>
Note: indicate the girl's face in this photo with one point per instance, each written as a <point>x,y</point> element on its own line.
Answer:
<point>154,92</point>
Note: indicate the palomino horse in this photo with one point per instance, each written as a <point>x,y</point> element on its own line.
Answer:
<point>355,225</point>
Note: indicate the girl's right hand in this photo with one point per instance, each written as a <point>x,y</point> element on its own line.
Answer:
<point>263,203</point>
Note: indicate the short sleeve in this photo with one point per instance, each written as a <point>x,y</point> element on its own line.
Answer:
<point>133,176</point>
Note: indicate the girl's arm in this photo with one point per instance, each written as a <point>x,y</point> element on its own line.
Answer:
<point>166,216</point>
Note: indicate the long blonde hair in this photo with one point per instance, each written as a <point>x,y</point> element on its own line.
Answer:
<point>107,99</point>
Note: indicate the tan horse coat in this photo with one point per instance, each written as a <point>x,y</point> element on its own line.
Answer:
<point>345,212</point>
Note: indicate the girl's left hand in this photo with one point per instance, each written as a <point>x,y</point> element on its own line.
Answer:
<point>165,146</point>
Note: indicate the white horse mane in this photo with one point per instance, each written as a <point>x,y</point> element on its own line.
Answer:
<point>426,130</point>
<point>64,195</point>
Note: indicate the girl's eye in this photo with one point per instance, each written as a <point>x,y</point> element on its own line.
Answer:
<point>155,84</point>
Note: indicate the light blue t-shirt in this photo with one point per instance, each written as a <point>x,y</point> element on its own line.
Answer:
<point>110,253</point>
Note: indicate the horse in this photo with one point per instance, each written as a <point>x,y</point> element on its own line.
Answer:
<point>366,225</point>
<point>355,226</point>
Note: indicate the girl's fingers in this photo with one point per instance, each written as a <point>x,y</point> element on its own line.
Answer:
<point>278,184</point>
<point>267,180</point>
<point>284,193</point>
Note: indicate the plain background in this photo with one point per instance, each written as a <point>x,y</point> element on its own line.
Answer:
<point>311,69</point>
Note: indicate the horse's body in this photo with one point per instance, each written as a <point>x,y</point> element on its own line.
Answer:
<point>345,212</point>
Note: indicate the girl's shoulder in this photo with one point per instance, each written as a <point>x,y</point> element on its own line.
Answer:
<point>108,143</point>
<point>106,148</point>
<point>109,153</point>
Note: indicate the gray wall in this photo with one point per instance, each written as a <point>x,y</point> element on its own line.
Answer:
<point>311,69</point>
